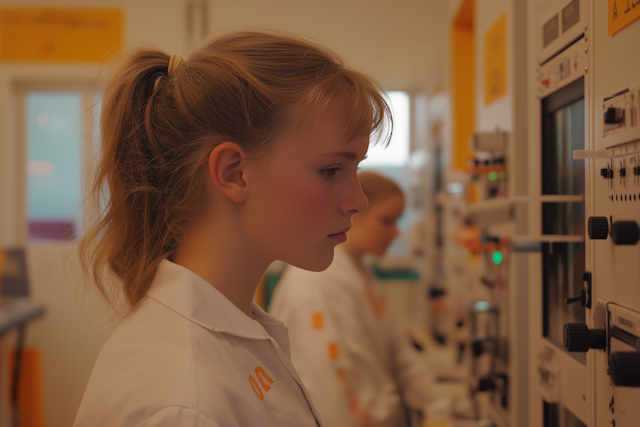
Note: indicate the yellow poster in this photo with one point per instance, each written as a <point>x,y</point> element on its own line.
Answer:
<point>621,14</point>
<point>495,61</point>
<point>60,34</point>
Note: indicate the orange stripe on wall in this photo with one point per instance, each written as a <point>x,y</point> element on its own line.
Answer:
<point>463,83</point>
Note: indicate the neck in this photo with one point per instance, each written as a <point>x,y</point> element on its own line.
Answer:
<point>220,253</point>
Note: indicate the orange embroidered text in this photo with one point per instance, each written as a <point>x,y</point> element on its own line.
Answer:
<point>262,375</point>
<point>260,371</point>
<point>354,403</point>
<point>334,351</point>
<point>317,320</point>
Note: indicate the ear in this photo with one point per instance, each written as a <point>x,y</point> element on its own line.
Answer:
<point>227,163</point>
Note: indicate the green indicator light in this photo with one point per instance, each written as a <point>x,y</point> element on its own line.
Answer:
<point>501,175</point>
<point>497,257</point>
<point>493,176</point>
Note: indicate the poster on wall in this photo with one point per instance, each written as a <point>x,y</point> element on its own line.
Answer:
<point>622,13</point>
<point>495,61</point>
<point>29,34</point>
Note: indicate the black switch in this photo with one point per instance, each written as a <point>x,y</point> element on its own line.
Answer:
<point>636,170</point>
<point>613,115</point>
<point>606,173</point>
<point>623,172</point>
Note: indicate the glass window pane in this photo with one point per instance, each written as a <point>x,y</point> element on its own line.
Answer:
<point>53,163</point>
<point>397,153</point>
<point>563,263</point>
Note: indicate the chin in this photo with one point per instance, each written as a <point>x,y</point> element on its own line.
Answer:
<point>315,262</point>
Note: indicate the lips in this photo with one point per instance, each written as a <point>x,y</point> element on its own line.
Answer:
<point>344,230</point>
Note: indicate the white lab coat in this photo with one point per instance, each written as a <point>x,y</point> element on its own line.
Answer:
<point>186,356</point>
<point>354,358</point>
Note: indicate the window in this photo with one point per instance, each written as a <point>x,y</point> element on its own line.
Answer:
<point>53,128</point>
<point>393,161</point>
<point>397,153</point>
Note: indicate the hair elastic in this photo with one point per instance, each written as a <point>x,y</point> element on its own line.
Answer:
<point>174,63</point>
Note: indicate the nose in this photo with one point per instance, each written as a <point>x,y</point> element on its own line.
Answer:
<point>355,201</point>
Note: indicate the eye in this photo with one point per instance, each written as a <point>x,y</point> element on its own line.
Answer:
<point>330,172</point>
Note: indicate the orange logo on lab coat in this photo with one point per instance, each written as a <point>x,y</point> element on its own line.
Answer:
<point>317,320</point>
<point>334,351</point>
<point>262,375</point>
<point>354,404</point>
<point>378,303</point>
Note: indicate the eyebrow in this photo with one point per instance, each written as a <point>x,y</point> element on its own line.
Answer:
<point>349,155</point>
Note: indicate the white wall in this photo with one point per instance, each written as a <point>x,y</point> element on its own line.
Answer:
<point>402,43</point>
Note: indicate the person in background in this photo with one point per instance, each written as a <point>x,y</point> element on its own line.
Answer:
<point>210,169</point>
<point>355,360</point>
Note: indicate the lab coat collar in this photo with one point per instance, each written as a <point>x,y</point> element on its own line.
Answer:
<point>191,296</point>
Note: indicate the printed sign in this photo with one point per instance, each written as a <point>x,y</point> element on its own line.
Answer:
<point>60,34</point>
<point>495,61</point>
<point>622,13</point>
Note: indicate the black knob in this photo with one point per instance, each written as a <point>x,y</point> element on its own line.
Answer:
<point>625,232</point>
<point>598,227</point>
<point>477,347</point>
<point>486,384</point>
<point>578,337</point>
<point>624,368</point>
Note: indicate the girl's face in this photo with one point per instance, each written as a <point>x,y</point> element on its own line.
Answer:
<point>302,197</point>
<point>374,230</point>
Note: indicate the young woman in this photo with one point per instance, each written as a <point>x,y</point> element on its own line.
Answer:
<point>355,361</point>
<point>210,169</point>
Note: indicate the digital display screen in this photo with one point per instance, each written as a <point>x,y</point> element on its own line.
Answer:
<point>550,31</point>
<point>570,15</point>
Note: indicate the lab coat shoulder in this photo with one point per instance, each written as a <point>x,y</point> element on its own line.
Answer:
<point>152,333</point>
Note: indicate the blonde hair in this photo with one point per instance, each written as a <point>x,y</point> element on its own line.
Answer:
<point>377,187</point>
<point>160,123</point>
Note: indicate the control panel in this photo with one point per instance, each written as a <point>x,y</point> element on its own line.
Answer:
<point>610,335</point>
<point>620,117</point>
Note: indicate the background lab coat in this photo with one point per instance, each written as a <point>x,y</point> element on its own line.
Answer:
<point>353,357</point>
<point>187,357</point>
